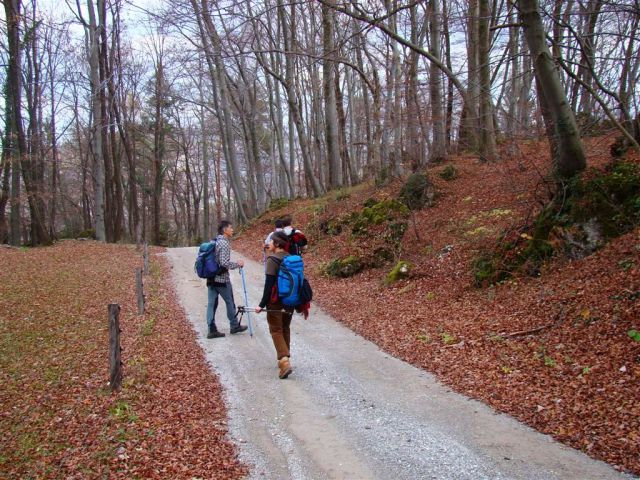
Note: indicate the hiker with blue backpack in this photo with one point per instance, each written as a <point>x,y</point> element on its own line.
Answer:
<point>282,294</point>
<point>219,282</point>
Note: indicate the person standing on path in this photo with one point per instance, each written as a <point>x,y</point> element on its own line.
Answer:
<point>278,318</point>
<point>221,283</point>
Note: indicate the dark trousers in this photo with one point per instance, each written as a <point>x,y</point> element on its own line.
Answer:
<point>226,292</point>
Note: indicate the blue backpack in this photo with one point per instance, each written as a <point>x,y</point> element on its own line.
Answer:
<point>206,263</point>
<point>291,280</point>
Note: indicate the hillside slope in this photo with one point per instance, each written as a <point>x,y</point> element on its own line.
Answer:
<point>553,351</point>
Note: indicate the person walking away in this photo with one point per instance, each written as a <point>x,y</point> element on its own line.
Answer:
<point>297,242</point>
<point>221,283</point>
<point>278,318</point>
<point>277,228</point>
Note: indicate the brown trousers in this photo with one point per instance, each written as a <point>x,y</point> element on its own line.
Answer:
<point>279,327</point>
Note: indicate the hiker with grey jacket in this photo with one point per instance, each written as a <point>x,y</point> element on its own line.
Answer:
<point>221,283</point>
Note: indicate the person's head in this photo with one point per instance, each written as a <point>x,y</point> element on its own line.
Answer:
<point>279,241</point>
<point>278,224</point>
<point>225,227</point>
<point>286,221</point>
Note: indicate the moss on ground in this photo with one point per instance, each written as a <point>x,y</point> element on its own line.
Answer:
<point>590,210</point>
<point>400,271</point>
<point>343,267</point>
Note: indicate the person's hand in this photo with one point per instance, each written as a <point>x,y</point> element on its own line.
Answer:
<point>258,309</point>
<point>240,263</point>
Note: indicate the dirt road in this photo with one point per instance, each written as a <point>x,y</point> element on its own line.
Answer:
<point>350,411</point>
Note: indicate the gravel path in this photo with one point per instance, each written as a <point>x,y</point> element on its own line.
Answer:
<point>350,411</point>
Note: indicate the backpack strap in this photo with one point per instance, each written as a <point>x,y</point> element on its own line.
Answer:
<point>278,261</point>
<point>275,259</point>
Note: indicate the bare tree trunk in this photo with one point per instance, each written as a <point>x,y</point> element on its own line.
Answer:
<point>92,31</point>
<point>84,165</point>
<point>285,176</point>
<point>34,175</point>
<point>294,108</point>
<point>488,148</point>
<point>330,111</point>
<point>371,163</point>
<point>5,172</point>
<point>18,144</point>
<point>55,171</point>
<point>227,122</point>
<point>588,55</point>
<point>447,40</point>
<point>523,114</point>
<point>192,193</point>
<point>158,148</point>
<point>515,80</point>
<point>218,190</point>
<point>439,144</point>
<point>568,153</point>
<point>126,132</point>
<point>207,230</point>
<point>13,81</point>
<point>255,146</point>
<point>275,109</point>
<point>627,76</point>
<point>105,124</point>
<point>396,164</point>
<point>317,130</point>
<point>414,139</point>
<point>114,122</point>
<point>240,97</point>
<point>248,106</point>
<point>348,173</point>
<point>469,121</point>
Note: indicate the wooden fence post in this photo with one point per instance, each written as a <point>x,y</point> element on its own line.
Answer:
<point>145,256</point>
<point>140,291</point>
<point>115,363</point>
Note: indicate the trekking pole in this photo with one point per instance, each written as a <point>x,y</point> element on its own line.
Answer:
<point>242,309</point>
<point>246,300</point>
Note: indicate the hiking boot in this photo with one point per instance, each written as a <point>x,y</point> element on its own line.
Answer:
<point>215,334</point>
<point>238,329</point>
<point>285,367</point>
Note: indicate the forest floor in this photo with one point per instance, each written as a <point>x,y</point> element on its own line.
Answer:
<point>58,417</point>
<point>577,378</point>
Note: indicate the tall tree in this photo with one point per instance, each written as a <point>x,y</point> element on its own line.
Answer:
<point>92,42</point>
<point>159,144</point>
<point>438,145</point>
<point>19,153</point>
<point>487,132</point>
<point>330,109</point>
<point>567,150</point>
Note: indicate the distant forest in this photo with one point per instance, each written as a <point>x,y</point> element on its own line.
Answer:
<point>150,121</point>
